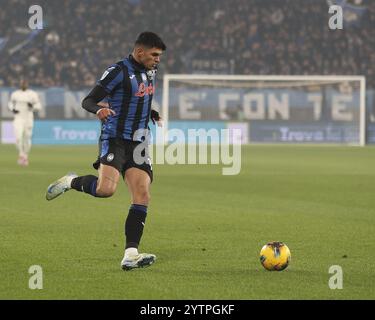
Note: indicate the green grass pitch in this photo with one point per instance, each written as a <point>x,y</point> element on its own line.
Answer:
<point>205,228</point>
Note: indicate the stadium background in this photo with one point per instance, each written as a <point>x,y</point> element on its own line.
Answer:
<point>206,229</point>
<point>65,59</point>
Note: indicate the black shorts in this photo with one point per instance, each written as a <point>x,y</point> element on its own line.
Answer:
<point>122,155</point>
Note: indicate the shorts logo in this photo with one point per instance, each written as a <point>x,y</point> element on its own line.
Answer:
<point>110,157</point>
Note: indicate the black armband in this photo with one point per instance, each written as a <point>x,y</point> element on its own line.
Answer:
<point>96,95</point>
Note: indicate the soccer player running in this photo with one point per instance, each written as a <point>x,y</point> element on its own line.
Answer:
<point>23,103</point>
<point>129,88</point>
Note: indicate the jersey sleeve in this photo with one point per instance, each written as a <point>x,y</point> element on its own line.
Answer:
<point>37,106</point>
<point>155,105</point>
<point>111,78</point>
<point>11,103</point>
<point>90,103</point>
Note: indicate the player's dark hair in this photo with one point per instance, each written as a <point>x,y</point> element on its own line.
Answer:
<point>150,40</point>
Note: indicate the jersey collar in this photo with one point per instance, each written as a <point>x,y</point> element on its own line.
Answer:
<point>136,65</point>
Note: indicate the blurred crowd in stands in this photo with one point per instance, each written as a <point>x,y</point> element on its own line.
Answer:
<point>258,37</point>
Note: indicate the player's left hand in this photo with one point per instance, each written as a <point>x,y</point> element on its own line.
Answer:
<point>156,117</point>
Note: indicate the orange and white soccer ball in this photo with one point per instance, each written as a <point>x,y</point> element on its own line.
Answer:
<point>275,256</point>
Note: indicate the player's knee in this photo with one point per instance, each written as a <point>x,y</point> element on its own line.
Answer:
<point>147,197</point>
<point>142,196</point>
<point>105,191</point>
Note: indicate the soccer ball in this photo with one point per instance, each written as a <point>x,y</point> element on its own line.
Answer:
<point>275,256</point>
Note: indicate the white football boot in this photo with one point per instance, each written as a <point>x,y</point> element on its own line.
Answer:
<point>140,260</point>
<point>60,186</point>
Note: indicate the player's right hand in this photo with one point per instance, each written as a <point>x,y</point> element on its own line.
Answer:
<point>156,117</point>
<point>104,113</point>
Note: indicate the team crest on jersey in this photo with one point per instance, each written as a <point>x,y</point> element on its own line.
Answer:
<point>151,74</point>
<point>110,157</point>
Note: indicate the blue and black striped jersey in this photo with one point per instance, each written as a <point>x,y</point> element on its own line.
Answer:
<point>130,89</point>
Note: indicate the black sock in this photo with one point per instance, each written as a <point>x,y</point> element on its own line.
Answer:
<point>134,225</point>
<point>85,184</point>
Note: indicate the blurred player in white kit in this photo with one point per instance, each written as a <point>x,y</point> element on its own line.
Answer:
<point>23,103</point>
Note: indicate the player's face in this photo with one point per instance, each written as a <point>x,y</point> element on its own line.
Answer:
<point>24,85</point>
<point>150,57</point>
